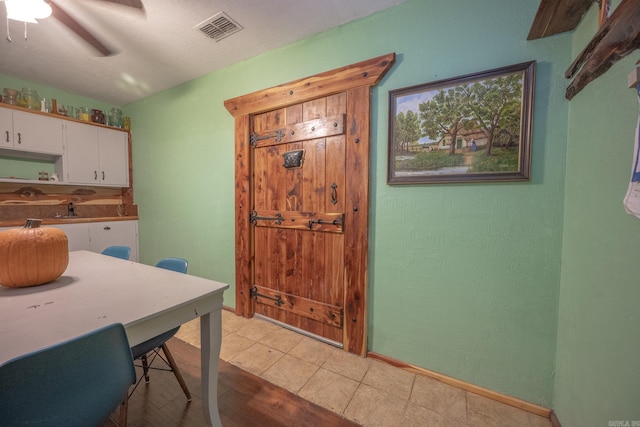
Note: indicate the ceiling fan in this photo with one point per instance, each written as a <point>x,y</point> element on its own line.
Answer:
<point>71,23</point>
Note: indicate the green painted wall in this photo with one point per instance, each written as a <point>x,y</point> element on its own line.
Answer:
<point>463,278</point>
<point>598,356</point>
<point>25,169</point>
<point>62,96</point>
<point>473,281</point>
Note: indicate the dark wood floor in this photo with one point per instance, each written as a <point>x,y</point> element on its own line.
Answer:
<point>244,399</point>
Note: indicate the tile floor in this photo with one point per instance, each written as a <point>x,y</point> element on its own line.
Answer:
<point>366,391</point>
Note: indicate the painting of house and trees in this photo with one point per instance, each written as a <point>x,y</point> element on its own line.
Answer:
<point>470,128</point>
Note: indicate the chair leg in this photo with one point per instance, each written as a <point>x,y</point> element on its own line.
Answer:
<point>176,371</point>
<point>123,412</point>
<point>145,368</point>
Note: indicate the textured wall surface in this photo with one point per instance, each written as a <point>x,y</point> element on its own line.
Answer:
<point>463,278</point>
<point>598,358</point>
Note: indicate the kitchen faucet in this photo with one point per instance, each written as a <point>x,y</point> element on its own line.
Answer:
<point>70,211</point>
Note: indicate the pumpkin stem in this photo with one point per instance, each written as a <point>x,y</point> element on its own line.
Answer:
<point>32,223</point>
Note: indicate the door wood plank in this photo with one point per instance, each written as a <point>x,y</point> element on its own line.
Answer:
<point>325,313</point>
<point>310,129</point>
<point>331,222</point>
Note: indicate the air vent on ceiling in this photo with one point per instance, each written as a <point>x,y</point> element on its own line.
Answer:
<point>219,26</point>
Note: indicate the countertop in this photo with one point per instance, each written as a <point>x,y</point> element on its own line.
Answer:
<point>76,220</point>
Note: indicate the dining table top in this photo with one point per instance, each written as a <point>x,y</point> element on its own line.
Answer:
<point>96,290</point>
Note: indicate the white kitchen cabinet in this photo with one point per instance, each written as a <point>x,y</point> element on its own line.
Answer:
<point>96,155</point>
<point>37,133</point>
<point>114,233</point>
<point>30,133</point>
<point>96,236</point>
<point>113,153</point>
<point>6,127</point>
<point>77,235</point>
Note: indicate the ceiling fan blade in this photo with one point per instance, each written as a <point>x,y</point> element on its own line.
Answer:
<point>70,22</point>
<point>131,3</point>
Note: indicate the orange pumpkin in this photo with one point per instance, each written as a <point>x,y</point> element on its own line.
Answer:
<point>32,255</point>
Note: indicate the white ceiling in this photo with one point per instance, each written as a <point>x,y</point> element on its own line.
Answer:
<point>160,48</point>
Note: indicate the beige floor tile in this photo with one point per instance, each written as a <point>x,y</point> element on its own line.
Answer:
<point>290,373</point>
<point>231,321</point>
<point>329,390</point>
<point>419,416</point>
<point>190,332</point>
<point>256,329</point>
<point>442,398</point>
<point>389,379</point>
<point>366,391</point>
<point>282,339</point>
<point>347,364</point>
<point>256,359</point>
<point>372,407</point>
<point>483,412</point>
<point>313,351</point>
<point>233,345</point>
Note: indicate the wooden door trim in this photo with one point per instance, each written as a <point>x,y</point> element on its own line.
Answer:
<point>356,80</point>
<point>365,73</point>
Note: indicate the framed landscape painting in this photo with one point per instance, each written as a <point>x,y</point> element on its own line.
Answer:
<point>473,128</point>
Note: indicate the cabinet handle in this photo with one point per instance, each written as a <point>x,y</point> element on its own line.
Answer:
<point>7,135</point>
<point>103,175</point>
<point>107,228</point>
<point>19,138</point>
<point>95,175</point>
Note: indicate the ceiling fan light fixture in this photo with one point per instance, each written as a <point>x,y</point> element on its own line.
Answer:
<point>27,10</point>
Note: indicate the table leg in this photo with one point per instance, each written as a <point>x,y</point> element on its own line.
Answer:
<point>210,341</point>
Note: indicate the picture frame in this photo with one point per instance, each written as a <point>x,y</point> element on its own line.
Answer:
<point>488,115</point>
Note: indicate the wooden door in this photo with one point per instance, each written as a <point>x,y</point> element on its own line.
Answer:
<point>299,165</point>
<point>302,202</point>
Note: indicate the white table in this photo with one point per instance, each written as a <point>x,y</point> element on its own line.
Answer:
<point>98,290</point>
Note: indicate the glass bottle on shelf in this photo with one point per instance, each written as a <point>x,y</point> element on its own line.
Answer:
<point>29,98</point>
<point>115,117</point>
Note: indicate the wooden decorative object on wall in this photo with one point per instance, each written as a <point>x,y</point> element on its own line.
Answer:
<point>557,16</point>
<point>302,202</point>
<point>618,35</point>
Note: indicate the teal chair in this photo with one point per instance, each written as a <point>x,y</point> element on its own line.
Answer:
<point>152,346</point>
<point>122,252</point>
<point>76,383</point>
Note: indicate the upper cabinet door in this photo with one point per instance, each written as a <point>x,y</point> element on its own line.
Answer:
<point>113,148</point>
<point>96,156</point>
<point>37,133</point>
<point>81,154</point>
<point>6,128</point>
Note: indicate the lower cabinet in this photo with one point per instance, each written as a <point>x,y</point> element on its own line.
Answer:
<point>115,233</point>
<point>77,235</point>
<point>96,236</point>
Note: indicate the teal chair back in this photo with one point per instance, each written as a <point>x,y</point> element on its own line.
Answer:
<point>118,251</point>
<point>77,383</point>
<point>153,345</point>
<point>176,264</point>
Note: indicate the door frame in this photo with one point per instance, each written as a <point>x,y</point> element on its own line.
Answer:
<point>356,80</point>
